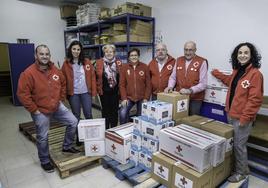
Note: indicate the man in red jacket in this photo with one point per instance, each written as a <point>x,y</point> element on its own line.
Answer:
<point>41,90</point>
<point>189,77</point>
<point>160,69</point>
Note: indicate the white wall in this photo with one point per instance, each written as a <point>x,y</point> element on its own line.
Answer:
<point>216,26</point>
<point>40,24</point>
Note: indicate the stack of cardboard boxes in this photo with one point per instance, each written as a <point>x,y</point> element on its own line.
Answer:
<point>156,115</point>
<point>195,154</point>
<point>87,13</point>
<point>91,132</point>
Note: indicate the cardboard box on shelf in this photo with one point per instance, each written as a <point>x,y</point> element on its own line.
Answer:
<point>105,13</point>
<point>162,168</point>
<point>180,103</point>
<point>144,10</point>
<point>105,39</point>
<point>119,27</point>
<point>68,11</point>
<point>132,38</point>
<point>95,148</point>
<point>184,176</point>
<point>118,142</point>
<point>91,129</point>
<point>189,151</point>
<point>114,12</point>
<point>126,8</point>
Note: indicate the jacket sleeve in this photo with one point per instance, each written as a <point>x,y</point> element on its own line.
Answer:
<point>93,81</point>
<point>254,100</point>
<point>24,91</point>
<point>63,87</point>
<point>226,79</point>
<point>122,83</point>
<point>148,89</point>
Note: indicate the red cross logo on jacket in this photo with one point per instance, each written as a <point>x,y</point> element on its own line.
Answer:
<point>245,84</point>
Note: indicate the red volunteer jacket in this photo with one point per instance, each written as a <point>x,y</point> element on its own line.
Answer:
<point>159,80</point>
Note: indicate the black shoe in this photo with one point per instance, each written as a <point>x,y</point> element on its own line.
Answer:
<point>71,150</point>
<point>48,167</point>
<point>79,143</point>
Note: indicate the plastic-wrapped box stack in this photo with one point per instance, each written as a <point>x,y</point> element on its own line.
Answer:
<point>87,13</point>
<point>156,115</point>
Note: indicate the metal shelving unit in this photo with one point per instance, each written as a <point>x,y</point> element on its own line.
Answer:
<point>102,24</point>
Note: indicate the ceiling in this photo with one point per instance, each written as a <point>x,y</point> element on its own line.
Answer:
<point>60,2</point>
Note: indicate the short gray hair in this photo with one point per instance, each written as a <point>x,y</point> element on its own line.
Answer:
<point>41,46</point>
<point>108,46</point>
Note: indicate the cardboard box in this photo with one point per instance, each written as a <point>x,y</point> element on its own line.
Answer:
<point>228,165</point>
<point>95,148</point>
<point>105,13</point>
<point>119,27</point>
<point>214,82</point>
<point>126,8</point>
<point>134,154</point>
<point>195,121</point>
<point>132,38</point>
<point>218,174</point>
<point>162,167</point>
<point>190,152</point>
<point>68,11</point>
<point>142,157</point>
<point>160,112</point>
<point>185,177</point>
<point>153,145</point>
<point>216,95</point>
<point>152,130</point>
<point>136,139</point>
<point>218,141</point>
<point>91,129</point>
<point>180,103</point>
<point>214,111</point>
<point>148,162</point>
<point>118,142</point>
<point>144,10</point>
<point>221,129</point>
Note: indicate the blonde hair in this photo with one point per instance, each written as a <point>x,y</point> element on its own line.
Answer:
<point>108,46</point>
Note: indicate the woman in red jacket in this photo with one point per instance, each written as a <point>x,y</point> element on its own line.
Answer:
<point>244,98</point>
<point>80,81</point>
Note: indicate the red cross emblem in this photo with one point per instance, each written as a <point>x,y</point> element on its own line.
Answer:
<point>183,181</point>
<point>94,148</point>
<point>118,63</point>
<point>231,142</point>
<point>87,67</point>
<point>160,168</point>
<point>179,148</point>
<point>141,73</point>
<point>182,104</point>
<point>169,67</point>
<point>113,146</point>
<point>245,84</point>
<point>55,77</point>
<point>196,64</point>
<point>213,93</point>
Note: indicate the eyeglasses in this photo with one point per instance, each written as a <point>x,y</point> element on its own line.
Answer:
<point>188,50</point>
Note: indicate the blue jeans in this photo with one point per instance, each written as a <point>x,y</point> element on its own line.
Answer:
<point>124,111</point>
<point>42,123</point>
<point>84,100</point>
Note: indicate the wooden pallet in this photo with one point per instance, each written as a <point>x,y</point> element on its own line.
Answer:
<point>150,183</point>
<point>66,164</point>
<point>134,174</point>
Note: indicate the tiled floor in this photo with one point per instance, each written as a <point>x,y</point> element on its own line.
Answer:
<point>20,168</point>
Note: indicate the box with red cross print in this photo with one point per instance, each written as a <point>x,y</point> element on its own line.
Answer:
<point>215,95</point>
<point>95,148</point>
<point>118,142</point>
<point>185,177</point>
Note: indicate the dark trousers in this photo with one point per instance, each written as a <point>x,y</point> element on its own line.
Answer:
<point>110,104</point>
<point>194,107</point>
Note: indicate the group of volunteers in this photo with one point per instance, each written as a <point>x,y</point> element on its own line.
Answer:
<point>42,88</point>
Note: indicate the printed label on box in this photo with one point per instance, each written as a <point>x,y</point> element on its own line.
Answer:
<point>229,145</point>
<point>161,171</point>
<point>182,105</point>
<point>181,181</point>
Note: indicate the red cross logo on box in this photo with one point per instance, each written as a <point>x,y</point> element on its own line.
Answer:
<point>182,104</point>
<point>94,148</point>
<point>183,181</point>
<point>113,146</point>
<point>179,148</point>
<point>161,169</point>
<point>213,93</point>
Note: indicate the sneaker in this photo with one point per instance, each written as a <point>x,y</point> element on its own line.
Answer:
<point>48,167</point>
<point>71,150</point>
<point>236,178</point>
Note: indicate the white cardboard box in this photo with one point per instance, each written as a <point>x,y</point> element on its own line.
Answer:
<point>216,95</point>
<point>94,148</point>
<point>214,82</point>
<point>152,130</point>
<point>219,142</point>
<point>91,129</point>
<point>194,154</point>
<point>136,139</point>
<point>118,142</point>
<point>134,154</point>
<point>160,112</point>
